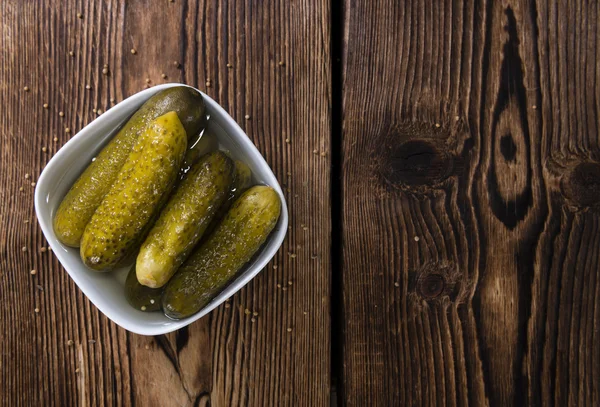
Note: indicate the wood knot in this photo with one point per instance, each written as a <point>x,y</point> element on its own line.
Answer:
<point>581,185</point>
<point>436,284</point>
<point>416,163</point>
<point>431,285</point>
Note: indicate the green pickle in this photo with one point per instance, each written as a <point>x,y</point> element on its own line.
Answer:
<point>86,194</point>
<point>183,221</point>
<point>141,297</point>
<point>141,187</point>
<point>240,235</point>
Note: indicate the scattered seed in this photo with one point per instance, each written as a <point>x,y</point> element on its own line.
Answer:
<point>176,64</point>
<point>88,87</point>
<point>33,184</point>
<point>45,105</point>
<point>457,118</point>
<point>67,130</point>
<point>26,176</point>
<point>44,149</point>
<point>275,267</point>
<point>287,140</point>
<point>21,189</point>
<point>148,80</point>
<point>69,342</point>
<point>255,313</point>
<point>293,255</point>
<point>24,249</point>
<point>143,308</point>
<point>71,53</point>
<point>290,282</point>
<point>164,76</point>
<point>315,151</point>
<point>99,112</point>
<point>55,138</point>
<point>133,51</point>
<point>305,228</point>
<point>33,272</point>
<point>146,347</point>
<point>208,84</point>
<point>281,63</point>
<point>105,66</point>
<point>77,370</point>
<point>26,220</point>
<point>437,125</point>
<point>278,285</point>
<point>417,238</point>
<point>323,153</point>
<point>37,310</point>
<point>253,319</point>
<point>289,329</point>
<point>61,114</point>
<point>112,100</point>
<point>79,15</point>
<point>151,301</point>
<point>247,311</point>
<point>534,107</point>
<point>49,249</point>
<point>305,313</point>
<point>43,249</point>
<point>397,284</point>
<point>229,66</point>
<point>247,117</point>
<point>94,110</point>
<point>105,71</point>
<point>26,88</point>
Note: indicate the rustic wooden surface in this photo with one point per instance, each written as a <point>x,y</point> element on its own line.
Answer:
<point>226,358</point>
<point>471,188</point>
<point>453,260</point>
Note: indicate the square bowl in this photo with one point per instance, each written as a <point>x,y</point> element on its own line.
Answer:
<point>106,290</point>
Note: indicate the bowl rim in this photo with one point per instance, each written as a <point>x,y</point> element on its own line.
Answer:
<point>271,246</point>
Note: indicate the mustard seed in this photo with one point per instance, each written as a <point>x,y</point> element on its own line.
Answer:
<point>44,149</point>
<point>247,117</point>
<point>61,114</point>
<point>71,53</point>
<point>67,130</point>
<point>45,105</point>
<point>26,88</point>
<point>36,310</point>
<point>164,76</point>
<point>79,15</point>
<point>33,272</point>
<point>33,184</point>
<point>133,51</point>
<point>88,87</point>
<point>55,139</point>
<point>26,176</point>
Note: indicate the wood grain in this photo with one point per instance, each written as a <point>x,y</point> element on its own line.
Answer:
<point>279,74</point>
<point>470,182</point>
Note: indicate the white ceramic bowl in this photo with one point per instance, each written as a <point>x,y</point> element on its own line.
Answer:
<point>106,290</point>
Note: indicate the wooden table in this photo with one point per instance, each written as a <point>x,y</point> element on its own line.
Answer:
<point>441,164</point>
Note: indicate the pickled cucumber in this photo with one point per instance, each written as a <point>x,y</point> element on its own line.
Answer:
<point>207,272</point>
<point>86,194</point>
<point>139,296</point>
<point>142,186</point>
<point>185,218</point>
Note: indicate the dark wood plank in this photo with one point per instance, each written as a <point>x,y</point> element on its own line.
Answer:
<point>279,75</point>
<point>470,203</point>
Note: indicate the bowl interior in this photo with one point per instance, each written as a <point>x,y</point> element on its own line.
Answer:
<point>106,290</point>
